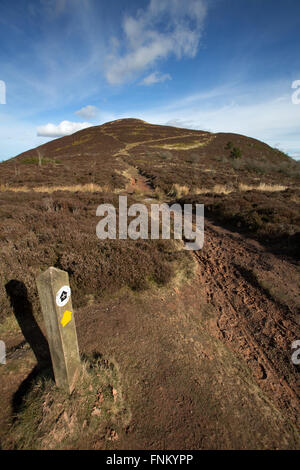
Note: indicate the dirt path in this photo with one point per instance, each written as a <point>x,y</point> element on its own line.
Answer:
<point>258,321</point>
<point>257,299</point>
<point>207,366</point>
<point>126,147</point>
<point>185,386</point>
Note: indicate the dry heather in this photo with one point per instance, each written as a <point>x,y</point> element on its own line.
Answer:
<point>41,227</point>
<point>38,231</point>
<point>217,189</point>
<point>178,191</point>
<point>271,216</point>
<point>83,188</point>
<point>262,187</point>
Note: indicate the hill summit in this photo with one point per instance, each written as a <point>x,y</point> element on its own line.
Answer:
<point>166,155</point>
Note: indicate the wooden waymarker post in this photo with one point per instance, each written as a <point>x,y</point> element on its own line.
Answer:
<point>55,298</point>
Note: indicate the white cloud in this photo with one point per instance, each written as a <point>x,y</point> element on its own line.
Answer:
<point>183,124</point>
<point>271,120</point>
<point>88,112</point>
<point>265,114</point>
<point>62,129</point>
<point>148,39</point>
<point>155,77</point>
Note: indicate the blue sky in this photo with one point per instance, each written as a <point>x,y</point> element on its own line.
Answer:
<point>218,65</point>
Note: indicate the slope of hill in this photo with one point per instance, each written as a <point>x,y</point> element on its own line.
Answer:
<point>97,155</point>
<point>242,181</point>
<point>160,314</point>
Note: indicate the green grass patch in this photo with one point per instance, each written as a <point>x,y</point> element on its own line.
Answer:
<point>35,161</point>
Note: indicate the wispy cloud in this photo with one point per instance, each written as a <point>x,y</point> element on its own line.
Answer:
<point>183,124</point>
<point>88,112</point>
<point>155,77</point>
<point>263,113</point>
<point>76,50</point>
<point>62,129</point>
<point>149,40</point>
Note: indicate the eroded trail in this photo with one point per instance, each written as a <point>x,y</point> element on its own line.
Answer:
<point>255,297</point>
<point>207,366</point>
<point>247,287</point>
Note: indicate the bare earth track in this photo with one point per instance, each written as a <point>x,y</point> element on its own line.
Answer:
<point>249,319</point>
<point>219,374</point>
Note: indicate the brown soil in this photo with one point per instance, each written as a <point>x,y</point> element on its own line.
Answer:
<point>257,307</point>
<point>219,374</point>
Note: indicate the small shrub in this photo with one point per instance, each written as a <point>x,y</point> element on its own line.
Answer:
<point>229,146</point>
<point>159,193</point>
<point>236,153</point>
<point>178,191</point>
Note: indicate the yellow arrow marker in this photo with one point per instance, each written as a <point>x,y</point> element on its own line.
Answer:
<point>66,318</point>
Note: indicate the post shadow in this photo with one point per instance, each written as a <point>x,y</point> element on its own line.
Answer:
<point>22,308</point>
<point>17,293</point>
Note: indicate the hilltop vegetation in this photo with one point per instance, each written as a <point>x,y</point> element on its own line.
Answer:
<point>167,155</point>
